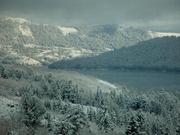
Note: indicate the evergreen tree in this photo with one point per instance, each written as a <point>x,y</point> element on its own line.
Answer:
<point>57,104</point>
<point>105,121</point>
<point>1,70</point>
<point>140,121</point>
<point>132,127</point>
<point>73,121</point>
<point>136,125</point>
<point>32,109</point>
<point>65,128</point>
<point>178,125</point>
<point>91,114</point>
<point>4,73</point>
<point>78,118</point>
<point>70,92</point>
<point>99,100</point>
<point>49,120</point>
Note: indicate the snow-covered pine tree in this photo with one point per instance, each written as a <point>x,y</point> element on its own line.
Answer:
<point>132,127</point>
<point>69,92</point>
<point>105,122</point>
<point>136,125</point>
<point>178,125</point>
<point>75,120</point>
<point>32,110</point>
<point>91,114</point>
<point>99,101</point>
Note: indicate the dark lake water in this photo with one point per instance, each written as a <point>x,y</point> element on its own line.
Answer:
<point>139,80</point>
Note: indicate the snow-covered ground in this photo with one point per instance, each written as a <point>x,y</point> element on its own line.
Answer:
<point>75,53</point>
<point>163,34</point>
<point>19,20</point>
<point>67,30</point>
<point>66,53</point>
<point>107,83</point>
<point>29,45</point>
<point>44,53</point>
<point>28,61</point>
<point>7,106</point>
<point>23,25</point>
<point>108,49</point>
<point>25,31</point>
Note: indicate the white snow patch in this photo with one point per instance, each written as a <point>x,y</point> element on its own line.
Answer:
<point>68,48</point>
<point>29,61</point>
<point>44,53</point>
<point>55,54</point>
<point>25,31</point>
<point>51,57</point>
<point>67,30</point>
<point>13,53</point>
<point>83,36</point>
<point>162,34</point>
<point>75,53</point>
<point>108,49</point>
<point>86,50</point>
<point>19,20</point>
<point>29,45</point>
<point>7,106</point>
<point>107,83</point>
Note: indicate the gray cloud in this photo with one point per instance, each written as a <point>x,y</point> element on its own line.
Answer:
<point>161,15</point>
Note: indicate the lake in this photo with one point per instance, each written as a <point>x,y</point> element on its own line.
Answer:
<point>139,80</point>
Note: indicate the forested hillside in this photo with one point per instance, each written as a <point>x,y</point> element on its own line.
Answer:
<point>39,103</point>
<point>37,44</point>
<point>37,100</point>
<point>159,53</point>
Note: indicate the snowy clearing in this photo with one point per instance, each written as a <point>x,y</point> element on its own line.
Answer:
<point>67,30</point>
<point>25,31</point>
<point>107,83</point>
<point>29,61</point>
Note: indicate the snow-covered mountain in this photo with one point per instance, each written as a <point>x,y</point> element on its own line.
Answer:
<point>24,42</point>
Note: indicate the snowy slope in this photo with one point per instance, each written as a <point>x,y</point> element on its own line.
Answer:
<point>163,34</point>
<point>67,30</point>
<point>43,44</point>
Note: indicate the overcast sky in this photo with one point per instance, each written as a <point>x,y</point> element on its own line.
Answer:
<point>159,15</point>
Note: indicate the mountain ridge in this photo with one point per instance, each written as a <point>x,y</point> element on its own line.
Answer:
<point>157,54</point>
<point>42,44</point>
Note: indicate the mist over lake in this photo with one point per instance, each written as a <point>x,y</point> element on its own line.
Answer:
<point>139,80</point>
